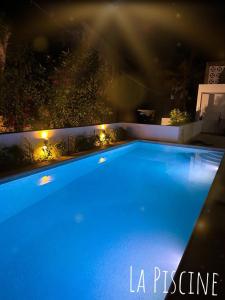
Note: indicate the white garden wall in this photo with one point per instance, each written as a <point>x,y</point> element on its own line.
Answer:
<point>9,139</point>
<point>153,132</point>
<point>211,107</point>
<point>175,134</point>
<point>189,131</point>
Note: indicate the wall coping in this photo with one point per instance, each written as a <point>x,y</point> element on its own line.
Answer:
<point>95,125</point>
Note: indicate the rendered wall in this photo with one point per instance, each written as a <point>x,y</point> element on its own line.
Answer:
<point>176,134</point>
<point>189,131</point>
<point>153,132</point>
<point>9,139</point>
<point>211,107</point>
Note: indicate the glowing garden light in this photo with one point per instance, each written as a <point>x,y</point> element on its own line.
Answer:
<point>102,137</point>
<point>44,135</point>
<point>45,148</point>
<point>103,127</point>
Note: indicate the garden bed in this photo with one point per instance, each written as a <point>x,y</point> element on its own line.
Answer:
<point>36,165</point>
<point>28,150</point>
<point>46,149</point>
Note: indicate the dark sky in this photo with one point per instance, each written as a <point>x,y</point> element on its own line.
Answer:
<point>214,10</point>
<point>195,26</point>
<point>179,31</point>
<point>212,13</point>
<point>191,27</point>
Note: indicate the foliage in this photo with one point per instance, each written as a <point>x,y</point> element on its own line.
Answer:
<point>118,134</point>
<point>77,97</point>
<point>22,88</point>
<point>84,143</point>
<point>13,156</point>
<point>102,138</point>
<point>222,77</point>
<point>178,117</point>
<point>177,84</point>
<point>28,150</point>
<point>4,39</point>
<point>48,151</point>
<point>19,156</point>
<point>64,92</point>
<point>180,83</point>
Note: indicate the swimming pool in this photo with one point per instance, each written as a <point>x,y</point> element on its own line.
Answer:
<point>75,231</point>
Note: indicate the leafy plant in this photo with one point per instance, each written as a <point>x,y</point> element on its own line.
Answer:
<point>48,151</point>
<point>22,88</point>
<point>84,143</point>
<point>28,150</point>
<point>78,87</point>
<point>64,92</point>
<point>118,134</point>
<point>178,117</point>
<point>5,34</point>
<point>102,138</point>
<point>12,157</point>
<point>18,156</point>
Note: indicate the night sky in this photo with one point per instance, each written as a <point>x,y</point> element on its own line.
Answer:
<point>207,17</point>
<point>168,33</point>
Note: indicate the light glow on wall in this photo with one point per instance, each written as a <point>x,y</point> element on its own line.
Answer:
<point>44,135</point>
<point>102,127</point>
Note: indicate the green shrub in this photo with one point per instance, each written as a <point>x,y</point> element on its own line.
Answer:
<point>16,156</point>
<point>84,143</point>
<point>11,157</point>
<point>103,138</point>
<point>19,156</point>
<point>61,147</point>
<point>118,134</point>
<point>178,117</point>
<point>47,150</point>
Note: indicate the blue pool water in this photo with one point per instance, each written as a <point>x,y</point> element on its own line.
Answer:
<point>74,231</point>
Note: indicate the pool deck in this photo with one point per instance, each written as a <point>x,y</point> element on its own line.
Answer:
<point>206,249</point>
<point>209,140</point>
